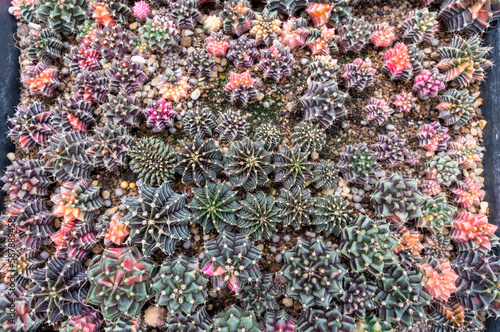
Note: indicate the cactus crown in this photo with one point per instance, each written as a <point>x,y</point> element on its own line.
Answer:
<point>152,160</point>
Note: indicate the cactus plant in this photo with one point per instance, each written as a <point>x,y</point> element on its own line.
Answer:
<point>405,102</point>
<point>358,163</point>
<point>313,274</point>
<point>109,12</point>
<point>200,63</point>
<point>159,115</point>
<point>278,320</point>
<point>403,62</point>
<point>354,34</point>
<point>259,295</point>
<point>390,149</point>
<point>40,79</point>
<point>431,187</point>
<point>377,111</point>
<point>409,242</point>
<point>288,7</point>
<point>331,215</point>
<point>200,123</point>
<point>322,41</point>
<point>237,16</point>
<point>120,282</point>
<point>77,200</point>
<point>200,321</point>
<point>420,26</point>
<point>472,17</point>
<point>231,261</point>
<point>152,160</point>
<point>433,137</point>
<point>324,103</point>
<point>113,229</point>
<point>24,10</point>
<point>436,214</point>
<point>319,12</point>
<point>468,192</point>
<point>160,33</point>
<point>92,86</point>
<point>452,315</point>
<point>179,285</point>
<point>235,319</point>
<point>324,68</point>
<point>309,136</point>
<point>173,85</point>
<point>266,27</point>
<point>294,32</point>
<point>122,110</point>
<point>185,13</point>
<point>124,323</point>
<point>358,297</point>
<point>113,42</point>
<point>78,113</point>
<point>31,125</point>
<point>212,23</point>
<point>296,207</point>
<point>325,175</point>
<point>276,62</point>
<point>258,216</point>
<point>242,87</point>
<point>125,76</point>
<point>269,135</point>
<point>465,151</point>
<point>17,310</point>
<point>442,169</point>
<point>359,74</point>
<point>291,167</point>
<point>217,43</point>
<point>382,34</point>
<point>456,107</point>
<point>323,321</point>
<point>397,198</point>
<point>26,179</point>
<point>85,33</point>
<point>171,60</point>
<point>89,320</point>
<point>243,52</point>
<point>473,232</point>
<point>141,10</point>
<point>214,207</point>
<point>62,16</point>
<point>199,161</point>
<point>43,45</point>
<point>82,58</point>
<point>232,126</point>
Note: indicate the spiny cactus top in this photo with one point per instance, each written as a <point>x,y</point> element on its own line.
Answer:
<point>243,52</point>
<point>82,58</point>
<point>436,214</point>
<point>442,169</point>
<point>120,281</point>
<point>456,107</point>
<point>278,320</point>
<point>433,137</point>
<point>420,25</point>
<point>313,274</point>
<point>24,10</point>
<point>382,34</point>
<point>110,12</point>
<point>358,163</point>
<point>322,41</point>
<point>309,136</point>
<point>266,27</point>
<point>405,102</point>
<point>325,320</point>
<point>185,13</point>
<point>354,34</point>
<point>269,135</point>
<point>62,16</point>
<point>110,146</point>
<point>247,164</point>
<point>231,260</point>
<point>43,44</point>
<point>242,87</point>
<point>158,219</point>
<point>141,10</point>
<point>200,123</point>
<point>378,111</point>
<point>40,79</point>
<point>473,232</point>
<point>288,7</point>
<point>359,74</point>
<point>294,32</point>
<point>236,319</point>
<point>390,149</point>
<point>74,114</point>
<point>200,63</point>
<point>160,33</point>
<point>31,125</point>
<point>152,160</point>
<point>403,62</point>
<point>92,86</point>
<point>324,68</point>
<point>125,76</point>
<point>331,215</point>
<point>439,279</point>
<point>452,314</point>
<point>465,151</point>
<point>112,41</point>
<point>17,310</point>
<point>468,192</point>
<point>258,216</point>
<point>217,43</point>
<point>276,62</point>
<point>26,179</point>
<point>291,167</point>
<point>88,320</point>
<point>470,16</point>
<point>259,295</point>
<point>237,16</point>
<point>232,126</point>
<point>296,207</point>
<point>325,175</point>
<point>199,321</point>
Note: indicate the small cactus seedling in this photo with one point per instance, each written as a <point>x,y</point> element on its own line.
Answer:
<point>212,23</point>
<point>409,246</point>
<point>173,86</point>
<point>377,111</point>
<point>152,160</point>
<point>113,42</point>
<point>324,68</point>
<point>40,79</point>
<point>390,149</point>
<point>405,102</point>
<point>433,137</point>
<point>456,107</point>
<point>325,175</point>
<point>259,295</point>
<point>185,13</point>
<point>319,12</point>
<point>200,123</point>
<point>242,87</point>
<point>354,34</point>
<point>436,214</point>
<point>278,320</point>
<point>258,216</point>
<point>324,103</point>
<point>269,135</point>
<point>359,74</point>
<point>465,151</point>
<point>358,163</point>
<point>24,10</point>
<point>179,285</point>
<point>309,136</point>
<point>358,297</point>
<point>472,16</point>
<point>306,265</point>
<point>85,34</point>
<point>82,58</point>
<point>468,193</point>
<point>31,125</point>
<point>200,64</point>
<point>122,110</point>
<point>199,321</point>
<point>125,76</point>
<point>231,261</point>
<point>276,62</point>
<point>79,200</point>
<point>266,27</point>
<point>452,315</point>
<point>237,16</point>
<point>331,319</point>
<point>43,45</point>
<point>442,169</point>
<point>291,167</point>
<point>159,115</point>
<point>232,126</point>
<point>113,229</point>
<point>331,215</point>
<point>63,16</point>
<point>473,232</point>
<point>294,32</point>
<point>403,62</point>
<point>26,179</point>
<point>322,41</point>
<point>74,114</point>
<point>120,282</point>
<point>420,26</point>
<point>296,207</point>
<point>397,198</point>
<point>236,319</point>
<point>243,52</point>
<point>382,34</point>
<point>217,43</point>
<point>214,207</point>
<point>368,245</point>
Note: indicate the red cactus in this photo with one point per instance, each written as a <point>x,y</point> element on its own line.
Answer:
<point>40,79</point>
<point>141,10</point>
<point>319,13</point>
<point>439,281</point>
<point>242,87</point>
<point>397,61</point>
<point>117,231</point>
<point>101,14</point>
<point>431,187</point>
<point>409,240</point>
<point>382,34</point>
<point>433,137</point>
<point>294,32</point>
<point>217,43</point>
<point>473,227</point>
<point>464,151</point>
<point>468,193</point>
<point>320,45</point>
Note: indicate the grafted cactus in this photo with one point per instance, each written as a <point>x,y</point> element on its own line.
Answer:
<point>109,12</point>
<point>160,33</point>
<point>92,86</point>
<point>62,16</point>
<point>43,44</point>
<point>125,76</point>
<point>331,215</point>
<point>354,34</point>
<point>242,87</point>
<point>323,68</point>
<point>237,16</point>
<point>159,115</point>
<point>436,214</point>
<point>358,297</point>
<point>403,62</point>
<point>322,41</point>
<point>442,169</point>
<point>88,320</point>
<point>200,63</point>
<point>173,86</point>
<point>122,110</point>
<point>236,319</point>
<point>456,107</point>
<point>420,26</point>
<point>296,207</point>
<point>468,193</point>
<point>433,137</point>
<point>26,179</point>
<point>40,79</point>
<point>469,16</point>
<point>82,58</point>
<point>382,34</point>
<point>473,232</point>
<point>259,295</point>
<point>199,161</point>
<point>266,27</point>
<point>377,111</point>
<point>294,32</point>
<point>152,160</point>
<point>112,42</point>
<point>405,102</point>
<point>77,201</point>
<point>465,151</point>
<point>217,43</point>
<point>359,74</point>
<point>243,52</point>
<point>185,13</point>
<point>452,315</point>
<point>390,149</point>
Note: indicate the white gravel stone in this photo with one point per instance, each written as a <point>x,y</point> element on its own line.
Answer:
<point>361,192</point>
<point>122,207</point>
<point>187,244</point>
<point>389,127</point>
<point>107,203</point>
<point>338,190</point>
<point>201,256</point>
<point>44,255</point>
<point>172,130</point>
<point>119,192</point>
<point>304,61</point>
<point>11,156</point>
<point>266,104</point>
<point>195,94</point>
<point>278,258</point>
<point>139,59</point>
<point>358,206</point>
<point>286,238</point>
<point>310,234</point>
<point>273,249</point>
<point>345,125</point>
<point>276,238</point>
<point>193,80</point>
<point>356,198</point>
<point>355,190</point>
<point>367,187</point>
<point>65,71</point>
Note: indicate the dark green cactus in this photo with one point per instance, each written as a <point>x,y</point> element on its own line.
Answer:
<point>63,16</point>
<point>358,296</point>
<point>259,295</point>
<point>296,207</point>
<point>153,160</point>
<point>331,320</point>
<point>200,122</point>
<point>232,126</point>
<point>269,135</point>
<point>331,215</point>
<point>110,146</point>
<point>235,319</point>
<point>325,175</point>
<point>291,167</point>
<point>198,322</point>
<point>309,136</point>
<point>44,45</point>
<point>258,216</point>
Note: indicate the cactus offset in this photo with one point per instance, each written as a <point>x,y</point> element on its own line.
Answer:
<point>200,123</point>
<point>377,111</point>
<point>200,63</point>
<point>242,87</point>
<point>259,295</point>
<point>276,62</point>
<point>382,34</point>
<point>469,16</point>
<point>473,232</point>
<point>294,32</point>
<point>442,169</point>
<point>468,193</point>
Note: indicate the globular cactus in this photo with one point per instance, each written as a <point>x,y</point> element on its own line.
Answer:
<point>125,76</point>
<point>199,63</point>
<point>237,16</point>
<point>109,12</point>
<point>247,164</point>
<point>269,135</point>
<point>409,246</point>
<point>152,160</point>
<point>171,60</point>
<point>120,282</point>
<point>397,198</point>
<point>324,68</point>
<point>231,260</point>
<point>325,175</point>
<point>372,323</point>
<point>199,321</point>
<point>266,27</point>
<point>405,102</point>
<point>243,52</point>
<point>159,115</point>
<point>31,125</point>
<point>291,167</point>
<point>236,319</point>
<point>442,169</point>
<point>358,296</point>
<point>477,283</point>
<point>331,215</point>
<point>113,229</point>
<point>30,222</point>
<point>354,34</point>
<point>212,23</point>
<point>86,33</point>
<point>82,58</point>
<point>259,295</point>
<point>313,274</point>
<point>288,7</point>
<point>258,216</point>
<point>40,79</point>
<point>296,207</point>
<point>473,232</point>
<point>321,320</point>
<point>468,193</point>
<point>324,103</point>
<point>438,279</point>
<point>368,245</point>
<point>74,240</point>
<point>67,158</point>
<point>377,111</point>
<point>89,320</point>
<point>43,45</point>
<point>20,268</point>
<point>358,163</point>
<point>173,85</point>
<point>437,214</point>
<point>456,107</point>
<point>59,290</point>
<point>437,246</point>
<point>420,26</point>
<point>217,43</point>
<point>309,136</point>
<point>63,16</point>
<point>179,285</point>
<point>276,62</point>
<point>359,74</point>
<point>294,32</point>
<point>24,10</point>
<point>400,297</point>
<point>200,123</point>
<point>122,110</point>
<point>73,114</point>
<point>17,310</point>
<point>124,323</point>
<point>465,151</point>
<point>185,13</point>
<point>112,42</point>
<point>319,12</point>
<point>433,137</point>
<point>214,207</point>
<point>382,34</point>
<point>77,200</point>
<point>322,41</point>
<point>141,10</point>
<point>278,320</point>
<point>241,87</point>
<point>232,126</point>
<point>160,33</point>
<point>403,62</point>
<point>26,179</point>
<point>110,146</point>
<point>390,149</point>
<point>452,315</point>
<point>199,161</point>
<point>464,61</point>
<point>472,16</point>
<point>92,86</point>
<point>412,157</point>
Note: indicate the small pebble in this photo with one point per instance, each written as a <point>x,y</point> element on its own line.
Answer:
<point>310,234</point>
<point>435,42</point>
<point>201,256</point>
<point>361,192</point>
<point>2,285</point>
<point>44,255</point>
<point>139,59</point>
<point>456,127</point>
<point>57,190</point>
<point>358,206</point>
<point>367,187</point>
<point>389,127</point>
<point>362,210</point>
<point>363,122</point>
<point>338,191</point>
<point>95,183</point>
<point>107,203</point>
<point>65,71</point>
<point>265,104</point>
<point>273,249</point>
<point>304,61</point>
<point>66,44</point>
<point>356,198</point>
<point>122,207</point>
<point>100,218</point>
<point>119,192</point>
<point>355,190</point>
<point>11,12</point>
<point>139,182</point>
<point>206,237</point>
<point>193,80</point>
<point>286,238</point>
<point>196,94</point>
<point>124,184</point>
<point>187,244</point>
<point>345,125</point>
<point>190,105</point>
<point>178,117</point>
<point>152,69</point>
<point>276,238</point>
<point>11,156</point>
<point>426,64</point>
<point>381,173</point>
<point>329,244</point>
<point>278,258</point>
<point>172,130</point>
<point>216,143</point>
<point>47,241</point>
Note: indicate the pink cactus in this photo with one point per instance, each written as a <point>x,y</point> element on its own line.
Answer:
<point>321,41</point>
<point>294,32</point>
<point>217,43</point>
<point>468,193</point>
<point>397,61</point>
<point>377,111</point>
<point>141,10</point>
<point>433,137</point>
<point>160,115</point>
<point>405,102</point>
<point>429,83</point>
<point>117,231</point>
<point>319,13</point>
<point>40,79</point>
<point>17,6</point>
<point>83,58</point>
<point>88,320</point>
<point>439,281</point>
<point>408,240</point>
<point>465,151</point>
<point>412,157</point>
<point>241,87</point>
<point>223,276</point>
<point>431,187</point>
<point>470,227</point>
<point>382,34</point>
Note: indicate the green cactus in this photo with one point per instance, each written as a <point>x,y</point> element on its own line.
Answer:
<point>110,146</point>
<point>63,16</point>
<point>291,167</point>
<point>198,322</point>
<point>331,320</point>
<point>442,169</point>
<point>160,33</point>
<point>331,215</point>
<point>358,164</point>
<point>152,160</point>
<point>258,216</point>
<point>200,122</point>
<point>325,175</point>
<point>296,207</point>
<point>44,45</point>
<point>436,214</point>
<point>235,319</point>
<point>309,136</point>
<point>358,296</point>
<point>269,135</point>
<point>259,295</point>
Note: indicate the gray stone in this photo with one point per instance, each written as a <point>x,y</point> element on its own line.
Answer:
<point>44,255</point>
<point>107,203</point>
<point>356,198</point>
<point>193,80</point>
<point>118,192</point>
<point>195,94</point>
<point>278,258</point>
<point>389,127</point>
<point>273,249</point>
<point>276,238</point>
<point>286,238</point>
<point>23,30</point>
<point>187,244</point>
<point>122,207</point>
<point>361,192</point>
<point>358,206</point>
<point>310,234</point>
<point>367,187</point>
<point>172,130</point>
<point>266,104</point>
<point>304,61</point>
<point>190,104</point>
